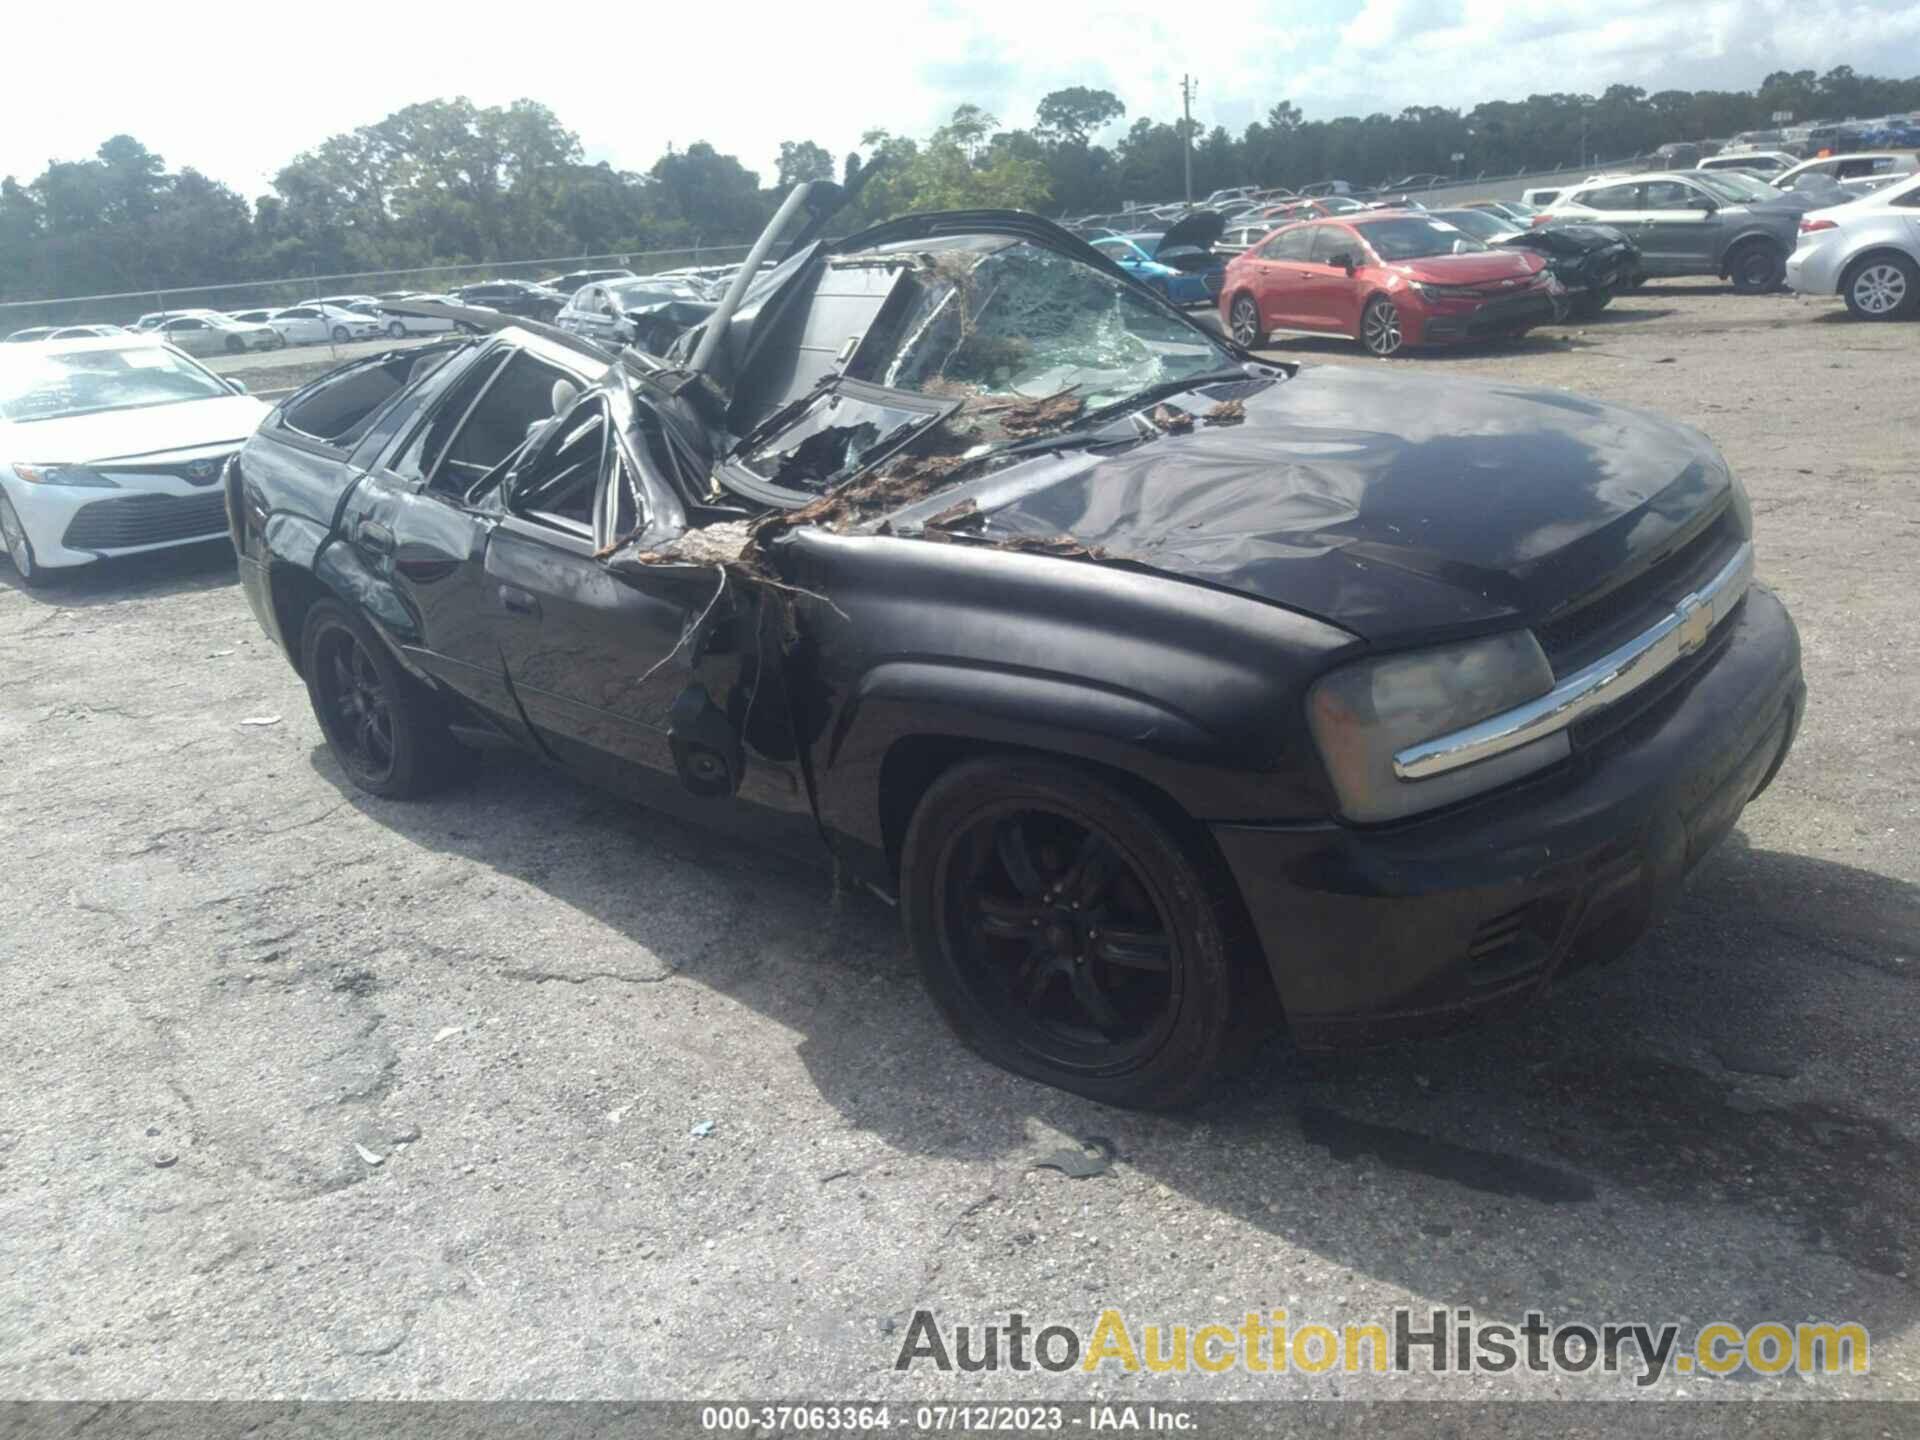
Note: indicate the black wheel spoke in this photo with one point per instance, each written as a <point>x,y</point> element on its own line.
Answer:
<point>1087,878</point>
<point>1038,975</point>
<point>1134,949</point>
<point>342,674</point>
<point>1092,999</point>
<point>1010,843</point>
<point>1006,919</point>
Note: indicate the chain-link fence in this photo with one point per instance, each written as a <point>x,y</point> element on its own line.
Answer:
<point>126,307</point>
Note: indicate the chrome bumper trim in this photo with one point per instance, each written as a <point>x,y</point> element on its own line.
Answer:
<point>1611,678</point>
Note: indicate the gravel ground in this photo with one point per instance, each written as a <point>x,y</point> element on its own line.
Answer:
<point>306,1093</point>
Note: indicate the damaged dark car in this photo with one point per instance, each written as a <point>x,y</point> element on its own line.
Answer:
<point>1173,695</point>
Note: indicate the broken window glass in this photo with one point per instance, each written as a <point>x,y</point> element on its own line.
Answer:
<point>830,438</point>
<point>988,320</point>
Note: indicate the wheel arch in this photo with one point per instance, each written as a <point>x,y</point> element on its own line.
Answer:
<point>1746,238</point>
<point>915,762</point>
<point>1872,250</point>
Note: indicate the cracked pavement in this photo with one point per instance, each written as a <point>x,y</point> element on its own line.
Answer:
<point>306,1093</point>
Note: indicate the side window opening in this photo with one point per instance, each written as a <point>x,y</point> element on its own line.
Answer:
<point>337,408</point>
<point>482,420</point>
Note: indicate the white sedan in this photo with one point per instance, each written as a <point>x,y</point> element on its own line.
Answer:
<point>1866,251</point>
<point>112,446</point>
<point>318,324</point>
<point>214,334</point>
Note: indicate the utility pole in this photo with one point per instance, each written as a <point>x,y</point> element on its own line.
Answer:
<point>1187,86</point>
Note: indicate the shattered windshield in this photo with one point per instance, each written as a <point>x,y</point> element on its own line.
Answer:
<point>985,319</point>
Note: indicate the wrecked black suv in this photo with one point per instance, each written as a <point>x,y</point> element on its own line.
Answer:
<point>1170,691</point>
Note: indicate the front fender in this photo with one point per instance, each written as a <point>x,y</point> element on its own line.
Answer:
<point>1195,691</point>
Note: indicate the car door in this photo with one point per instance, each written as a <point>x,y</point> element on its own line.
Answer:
<point>300,325</point>
<point>1683,225</point>
<point>192,335</point>
<point>1622,207</point>
<point>417,523</point>
<point>1281,278</point>
<point>646,677</point>
<point>1332,293</point>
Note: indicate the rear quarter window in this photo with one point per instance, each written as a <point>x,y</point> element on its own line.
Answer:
<point>337,409</point>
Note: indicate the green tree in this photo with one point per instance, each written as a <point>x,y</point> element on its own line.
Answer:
<point>802,160</point>
<point>1070,116</point>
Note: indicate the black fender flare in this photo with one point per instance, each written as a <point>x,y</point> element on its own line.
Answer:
<point>970,708</point>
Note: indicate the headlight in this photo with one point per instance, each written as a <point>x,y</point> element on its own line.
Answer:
<point>1363,713</point>
<point>63,475</point>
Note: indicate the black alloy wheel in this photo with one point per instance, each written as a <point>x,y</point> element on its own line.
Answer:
<point>358,713</point>
<point>1757,267</point>
<point>385,728</point>
<point>1068,936</point>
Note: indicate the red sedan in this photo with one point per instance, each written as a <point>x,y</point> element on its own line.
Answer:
<point>1389,279</point>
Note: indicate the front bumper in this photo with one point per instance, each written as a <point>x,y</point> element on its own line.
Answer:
<point>1374,935</point>
<point>75,525</point>
<point>1493,317</point>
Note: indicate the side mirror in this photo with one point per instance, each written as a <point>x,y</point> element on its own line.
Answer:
<point>1344,260</point>
<point>239,387</point>
<point>1706,205</point>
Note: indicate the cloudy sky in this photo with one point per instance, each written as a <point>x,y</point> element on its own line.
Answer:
<point>237,90</point>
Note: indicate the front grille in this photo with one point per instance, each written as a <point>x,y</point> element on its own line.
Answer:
<point>130,520</point>
<point>1584,634</point>
<point>201,470</point>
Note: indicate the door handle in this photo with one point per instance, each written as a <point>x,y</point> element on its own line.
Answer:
<point>518,601</point>
<point>374,537</point>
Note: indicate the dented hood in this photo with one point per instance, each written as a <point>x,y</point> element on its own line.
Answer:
<point>1189,241</point>
<point>1377,500</point>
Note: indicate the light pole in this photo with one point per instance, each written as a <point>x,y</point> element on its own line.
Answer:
<point>1187,86</point>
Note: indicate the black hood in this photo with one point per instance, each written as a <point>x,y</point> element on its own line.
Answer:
<point>1565,239</point>
<point>1369,498</point>
<point>1190,238</point>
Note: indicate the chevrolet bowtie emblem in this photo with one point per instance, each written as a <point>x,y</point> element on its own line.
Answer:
<point>1696,623</point>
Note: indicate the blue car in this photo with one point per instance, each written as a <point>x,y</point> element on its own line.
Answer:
<point>1180,264</point>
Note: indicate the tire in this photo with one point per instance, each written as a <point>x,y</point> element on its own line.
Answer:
<point>385,729</point>
<point>1756,267</point>
<point>1243,323</point>
<point>1380,328</point>
<point>1590,303</point>
<point>1146,1017</point>
<point>341,335</point>
<point>19,548</point>
<point>397,329</point>
<point>1882,286</point>
<point>236,345</point>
